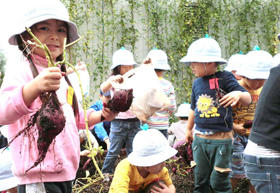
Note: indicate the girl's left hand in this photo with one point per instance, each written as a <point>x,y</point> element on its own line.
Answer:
<point>230,99</point>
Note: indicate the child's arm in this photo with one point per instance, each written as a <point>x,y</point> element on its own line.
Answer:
<point>107,85</point>
<point>232,98</point>
<point>239,129</point>
<point>190,124</point>
<point>97,116</point>
<point>47,80</point>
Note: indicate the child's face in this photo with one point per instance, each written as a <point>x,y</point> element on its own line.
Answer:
<point>253,84</point>
<point>199,69</point>
<point>52,33</point>
<point>125,68</point>
<point>155,169</point>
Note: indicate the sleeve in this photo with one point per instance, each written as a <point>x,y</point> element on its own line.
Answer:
<point>164,175</point>
<point>193,105</point>
<point>120,183</point>
<point>231,84</point>
<point>100,131</point>
<point>97,106</point>
<point>12,106</point>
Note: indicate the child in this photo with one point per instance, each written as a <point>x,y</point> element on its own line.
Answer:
<point>179,128</point>
<point>20,96</point>
<point>235,62</point>
<point>160,119</point>
<point>101,130</point>
<point>253,75</point>
<point>213,94</point>
<point>145,165</point>
<point>125,126</point>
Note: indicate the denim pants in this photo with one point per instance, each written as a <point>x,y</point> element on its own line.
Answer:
<point>237,165</point>
<point>122,132</point>
<point>211,156</point>
<point>263,172</point>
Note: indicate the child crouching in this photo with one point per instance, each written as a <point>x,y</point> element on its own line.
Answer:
<point>143,170</point>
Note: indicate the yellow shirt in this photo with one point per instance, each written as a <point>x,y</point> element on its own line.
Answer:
<point>243,113</point>
<point>127,178</point>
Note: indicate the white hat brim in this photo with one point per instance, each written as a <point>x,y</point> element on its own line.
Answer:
<point>72,28</point>
<point>203,59</point>
<point>146,161</point>
<point>181,115</point>
<point>253,74</point>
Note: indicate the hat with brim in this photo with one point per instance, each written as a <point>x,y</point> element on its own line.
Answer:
<point>183,110</point>
<point>204,50</point>
<point>150,148</point>
<point>7,179</point>
<point>235,62</point>
<point>159,59</point>
<point>40,11</point>
<point>258,65</point>
<point>150,160</point>
<point>122,57</point>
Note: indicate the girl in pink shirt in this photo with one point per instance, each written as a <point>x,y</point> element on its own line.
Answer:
<point>20,99</point>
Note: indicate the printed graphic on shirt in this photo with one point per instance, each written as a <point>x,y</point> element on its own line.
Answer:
<point>205,105</point>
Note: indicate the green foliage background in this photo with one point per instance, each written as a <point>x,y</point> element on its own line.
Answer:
<point>171,25</point>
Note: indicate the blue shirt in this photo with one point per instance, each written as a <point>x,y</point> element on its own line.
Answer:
<point>209,115</point>
<point>99,128</point>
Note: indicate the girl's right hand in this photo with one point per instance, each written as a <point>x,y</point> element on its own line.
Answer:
<point>48,79</point>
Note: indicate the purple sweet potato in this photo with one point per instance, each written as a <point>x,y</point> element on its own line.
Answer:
<point>121,101</point>
<point>49,120</point>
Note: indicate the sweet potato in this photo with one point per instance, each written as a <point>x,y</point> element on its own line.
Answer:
<point>49,120</point>
<point>121,101</point>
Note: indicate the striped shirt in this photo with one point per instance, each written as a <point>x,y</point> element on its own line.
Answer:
<point>160,119</point>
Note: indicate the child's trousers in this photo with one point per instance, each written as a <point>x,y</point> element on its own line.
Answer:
<point>212,159</point>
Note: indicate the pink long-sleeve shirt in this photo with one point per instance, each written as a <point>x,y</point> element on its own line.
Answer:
<point>62,159</point>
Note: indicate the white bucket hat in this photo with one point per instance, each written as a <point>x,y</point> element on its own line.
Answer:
<point>122,57</point>
<point>235,62</point>
<point>159,59</point>
<point>41,10</point>
<point>150,148</point>
<point>204,50</point>
<point>183,110</point>
<point>258,65</point>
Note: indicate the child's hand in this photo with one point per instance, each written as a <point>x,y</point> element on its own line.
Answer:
<point>230,99</point>
<point>162,189</point>
<point>117,79</point>
<point>48,79</point>
<point>189,135</point>
<point>239,129</point>
<point>108,114</point>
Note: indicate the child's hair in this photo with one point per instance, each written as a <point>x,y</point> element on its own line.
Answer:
<point>116,70</point>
